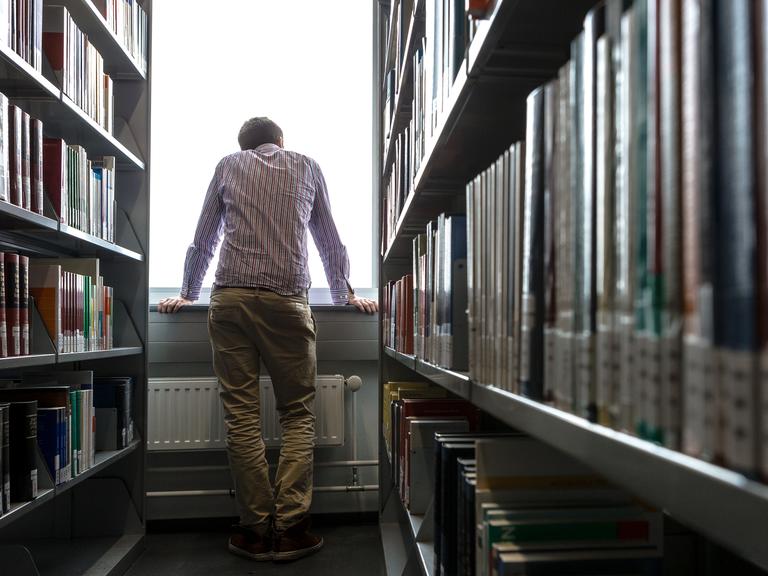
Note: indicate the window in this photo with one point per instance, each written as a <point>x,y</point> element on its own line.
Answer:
<point>303,63</point>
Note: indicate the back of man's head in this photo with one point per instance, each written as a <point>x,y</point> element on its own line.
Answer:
<point>258,131</point>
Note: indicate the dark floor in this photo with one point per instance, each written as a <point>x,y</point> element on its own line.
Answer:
<point>351,548</point>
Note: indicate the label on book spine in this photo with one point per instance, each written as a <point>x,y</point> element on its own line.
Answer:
<point>640,385</point>
<point>550,364</point>
<point>528,321</point>
<point>16,331</point>
<point>670,406</point>
<point>738,372</point>
<point>584,344</point>
<point>694,421</point>
<point>653,357</point>
<point>604,375</point>
<point>567,369</point>
<point>626,346</point>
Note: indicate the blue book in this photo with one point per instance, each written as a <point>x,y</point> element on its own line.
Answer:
<point>48,440</point>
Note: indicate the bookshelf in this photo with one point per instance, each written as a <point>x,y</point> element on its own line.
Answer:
<point>517,48</point>
<point>95,522</point>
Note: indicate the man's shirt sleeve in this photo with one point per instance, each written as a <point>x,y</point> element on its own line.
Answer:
<point>207,236</point>
<point>332,252</point>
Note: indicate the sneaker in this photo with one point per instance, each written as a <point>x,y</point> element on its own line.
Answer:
<point>296,542</point>
<point>250,544</point>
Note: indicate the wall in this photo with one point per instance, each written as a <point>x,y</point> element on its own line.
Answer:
<point>346,344</point>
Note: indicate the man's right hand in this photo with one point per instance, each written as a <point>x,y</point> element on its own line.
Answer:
<point>363,304</point>
<point>171,305</point>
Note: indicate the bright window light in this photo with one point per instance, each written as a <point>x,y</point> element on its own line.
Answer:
<point>305,66</point>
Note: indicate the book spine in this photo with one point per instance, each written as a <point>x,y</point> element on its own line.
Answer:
<point>604,221</point>
<point>671,222</point>
<point>564,250</point>
<point>14,155</point>
<point>551,200</point>
<point>26,164</point>
<point>761,85</point>
<point>12,304</point>
<point>23,451</point>
<point>36,166</point>
<point>5,421</point>
<point>735,277</point>
<point>531,344</point>
<point>3,313</point>
<point>25,343</point>
<point>5,144</point>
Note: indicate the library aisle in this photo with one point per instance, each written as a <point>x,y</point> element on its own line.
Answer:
<point>350,548</point>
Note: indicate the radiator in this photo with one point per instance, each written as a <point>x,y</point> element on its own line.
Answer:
<point>186,413</point>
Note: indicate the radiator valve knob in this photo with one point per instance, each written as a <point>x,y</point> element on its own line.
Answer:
<point>354,383</point>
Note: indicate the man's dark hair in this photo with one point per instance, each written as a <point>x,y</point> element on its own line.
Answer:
<point>258,131</point>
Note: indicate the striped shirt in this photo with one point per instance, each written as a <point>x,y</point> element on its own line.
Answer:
<point>262,202</point>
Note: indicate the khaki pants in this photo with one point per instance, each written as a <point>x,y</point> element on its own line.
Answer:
<point>246,326</point>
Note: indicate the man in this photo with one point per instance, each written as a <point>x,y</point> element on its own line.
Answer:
<point>262,200</point>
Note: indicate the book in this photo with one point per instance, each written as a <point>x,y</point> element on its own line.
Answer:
<point>23,430</point>
<point>563,386</point>
<point>113,394</point>
<point>454,327</point>
<point>24,332</point>
<point>671,308</point>
<point>55,176</point>
<point>479,8</point>
<point>5,147</point>
<point>531,369</point>
<point>761,143</point>
<point>46,285</point>
<point>14,155</point>
<point>3,323</point>
<point>5,459</point>
<point>465,523</point>
<point>12,304</point>
<point>36,166</point>
<point>447,453</point>
<point>26,161</point>
<point>48,439</point>
<point>626,222</point>
<point>552,196</point>
<point>592,562</point>
<point>735,234</point>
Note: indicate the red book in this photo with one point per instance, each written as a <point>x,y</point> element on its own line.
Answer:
<point>24,304</point>
<point>479,8</point>
<point>3,333</point>
<point>16,187</point>
<point>12,301</point>
<point>54,39</point>
<point>55,175</point>
<point>399,319</point>
<point>26,153</point>
<point>36,165</point>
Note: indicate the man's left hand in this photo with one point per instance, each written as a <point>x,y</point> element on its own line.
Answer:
<point>363,304</point>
